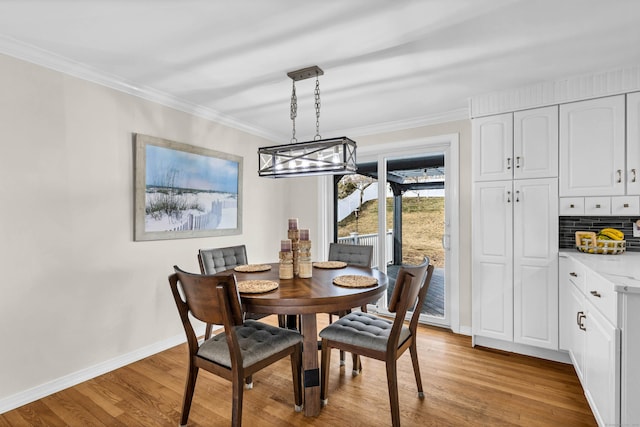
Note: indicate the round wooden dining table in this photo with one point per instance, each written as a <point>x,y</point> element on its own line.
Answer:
<point>307,297</point>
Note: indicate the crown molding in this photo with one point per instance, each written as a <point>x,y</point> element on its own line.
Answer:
<point>44,58</point>
<point>415,122</point>
<point>26,52</point>
<point>595,85</point>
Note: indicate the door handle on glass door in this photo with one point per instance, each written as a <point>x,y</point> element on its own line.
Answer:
<point>445,241</point>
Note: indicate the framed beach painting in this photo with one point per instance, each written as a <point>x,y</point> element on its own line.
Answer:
<point>183,191</point>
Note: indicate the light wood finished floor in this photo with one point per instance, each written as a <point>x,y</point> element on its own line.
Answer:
<point>463,387</point>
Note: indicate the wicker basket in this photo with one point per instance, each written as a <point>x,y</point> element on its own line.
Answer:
<point>587,242</point>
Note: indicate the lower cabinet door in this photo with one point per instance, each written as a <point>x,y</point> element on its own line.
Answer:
<point>493,260</point>
<point>535,262</point>
<point>602,367</point>
<point>576,334</point>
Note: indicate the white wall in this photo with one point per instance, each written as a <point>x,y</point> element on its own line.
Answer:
<point>77,291</point>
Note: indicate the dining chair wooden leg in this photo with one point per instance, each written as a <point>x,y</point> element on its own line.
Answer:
<point>324,373</point>
<point>392,383</point>
<point>192,376</point>
<point>296,368</point>
<point>416,368</point>
<point>207,331</point>
<point>236,409</point>
<point>248,382</point>
<point>357,364</point>
<point>342,353</point>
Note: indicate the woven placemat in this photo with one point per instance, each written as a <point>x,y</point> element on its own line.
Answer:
<point>330,264</point>
<point>256,286</point>
<point>252,268</point>
<point>354,281</point>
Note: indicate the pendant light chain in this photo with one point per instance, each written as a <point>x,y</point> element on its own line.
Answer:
<point>317,97</point>
<point>294,111</point>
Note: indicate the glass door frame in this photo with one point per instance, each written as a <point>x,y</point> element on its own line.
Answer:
<point>449,145</point>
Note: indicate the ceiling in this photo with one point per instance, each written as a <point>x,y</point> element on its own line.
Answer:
<point>387,64</point>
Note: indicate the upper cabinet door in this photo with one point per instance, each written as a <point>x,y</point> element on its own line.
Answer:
<point>535,143</point>
<point>633,143</point>
<point>493,148</point>
<point>592,147</point>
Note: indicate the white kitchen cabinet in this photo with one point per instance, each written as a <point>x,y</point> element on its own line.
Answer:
<point>535,262</point>
<point>535,143</point>
<point>633,143</point>
<point>571,206</point>
<point>592,147</point>
<point>572,328</point>
<point>600,327</point>
<point>493,147</point>
<point>630,369</point>
<point>493,260</point>
<point>518,145</point>
<point>625,205</point>
<point>600,206</point>
<point>597,206</point>
<point>515,271</point>
<point>602,366</point>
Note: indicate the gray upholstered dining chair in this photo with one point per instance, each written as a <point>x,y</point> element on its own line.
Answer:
<point>360,255</point>
<point>219,259</point>
<point>351,254</point>
<point>373,336</point>
<point>215,260</point>
<point>245,346</point>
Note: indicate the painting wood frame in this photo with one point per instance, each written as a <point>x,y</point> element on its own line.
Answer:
<point>183,191</point>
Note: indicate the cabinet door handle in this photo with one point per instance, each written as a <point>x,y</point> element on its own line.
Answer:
<point>508,196</point>
<point>573,274</point>
<point>619,172</point>
<point>508,163</point>
<point>518,196</point>
<point>633,175</point>
<point>581,316</point>
<point>596,294</point>
<point>598,206</point>
<point>518,162</point>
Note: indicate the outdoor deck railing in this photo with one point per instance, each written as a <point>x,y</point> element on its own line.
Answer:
<point>371,240</point>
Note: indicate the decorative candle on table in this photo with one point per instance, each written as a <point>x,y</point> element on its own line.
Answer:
<point>286,260</point>
<point>285,245</point>
<point>294,235</point>
<point>304,257</point>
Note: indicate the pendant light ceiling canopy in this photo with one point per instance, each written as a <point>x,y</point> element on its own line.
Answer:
<point>317,157</point>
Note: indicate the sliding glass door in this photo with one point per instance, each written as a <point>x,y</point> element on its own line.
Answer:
<point>419,194</point>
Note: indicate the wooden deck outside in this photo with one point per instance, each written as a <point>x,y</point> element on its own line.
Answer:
<point>434,303</point>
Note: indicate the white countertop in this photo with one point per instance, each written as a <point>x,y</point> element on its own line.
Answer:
<point>623,270</point>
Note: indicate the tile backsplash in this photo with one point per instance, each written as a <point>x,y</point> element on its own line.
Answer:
<point>570,224</point>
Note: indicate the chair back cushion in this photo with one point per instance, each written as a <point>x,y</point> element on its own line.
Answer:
<point>360,255</point>
<point>418,271</point>
<point>257,341</point>
<point>203,299</point>
<point>219,259</point>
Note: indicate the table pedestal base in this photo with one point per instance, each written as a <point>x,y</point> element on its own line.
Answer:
<point>310,367</point>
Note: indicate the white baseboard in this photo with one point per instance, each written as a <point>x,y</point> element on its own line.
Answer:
<point>43,390</point>
<point>464,330</point>
<point>527,350</point>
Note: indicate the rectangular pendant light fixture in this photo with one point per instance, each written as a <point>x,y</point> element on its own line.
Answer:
<point>321,157</point>
<point>317,157</point>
